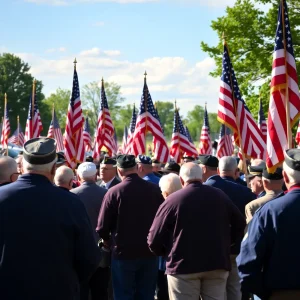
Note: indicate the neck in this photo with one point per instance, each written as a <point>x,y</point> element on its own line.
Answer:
<point>227,174</point>
<point>191,181</point>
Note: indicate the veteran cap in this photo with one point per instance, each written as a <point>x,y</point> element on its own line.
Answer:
<point>108,161</point>
<point>188,157</point>
<point>143,159</point>
<point>255,171</point>
<point>171,167</point>
<point>292,159</point>
<point>277,175</point>
<point>60,158</point>
<point>155,161</point>
<point>209,161</point>
<point>126,161</point>
<point>40,151</point>
<point>87,169</point>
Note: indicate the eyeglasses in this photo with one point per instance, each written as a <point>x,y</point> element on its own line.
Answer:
<point>14,176</point>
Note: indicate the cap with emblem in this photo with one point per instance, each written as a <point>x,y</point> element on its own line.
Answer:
<point>143,159</point>
<point>191,158</point>
<point>277,175</point>
<point>292,159</point>
<point>255,171</point>
<point>171,167</point>
<point>40,151</point>
<point>108,161</point>
<point>126,161</point>
<point>60,158</point>
<point>209,161</point>
<point>87,169</point>
<point>155,161</point>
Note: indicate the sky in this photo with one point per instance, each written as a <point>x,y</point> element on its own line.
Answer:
<point>118,40</point>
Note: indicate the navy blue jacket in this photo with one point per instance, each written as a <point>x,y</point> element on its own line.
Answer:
<point>238,194</point>
<point>269,258</point>
<point>46,241</point>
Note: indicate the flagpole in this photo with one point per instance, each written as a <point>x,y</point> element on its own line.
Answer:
<point>5,109</point>
<point>237,120</point>
<point>103,114</point>
<point>32,108</point>
<point>177,129</point>
<point>18,126</point>
<point>146,109</point>
<point>287,103</point>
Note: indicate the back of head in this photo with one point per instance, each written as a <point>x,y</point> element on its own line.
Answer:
<point>8,167</point>
<point>64,177</point>
<point>169,184</point>
<point>87,171</point>
<point>227,164</point>
<point>190,172</point>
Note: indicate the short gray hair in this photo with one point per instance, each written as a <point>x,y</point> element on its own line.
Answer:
<point>170,183</point>
<point>227,163</point>
<point>63,175</point>
<point>27,167</point>
<point>293,175</point>
<point>190,171</point>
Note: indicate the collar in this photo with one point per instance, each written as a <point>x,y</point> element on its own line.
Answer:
<point>34,178</point>
<point>4,183</point>
<point>229,178</point>
<point>132,176</point>
<point>149,175</point>
<point>107,184</point>
<point>193,183</point>
<point>63,188</point>
<point>213,177</point>
<point>294,187</point>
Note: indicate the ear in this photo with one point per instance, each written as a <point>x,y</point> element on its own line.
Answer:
<point>78,177</point>
<point>285,177</point>
<point>71,183</point>
<point>181,180</point>
<point>218,170</point>
<point>53,169</point>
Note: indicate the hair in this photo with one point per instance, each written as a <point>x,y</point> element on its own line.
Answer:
<point>63,175</point>
<point>46,168</point>
<point>190,171</point>
<point>8,166</point>
<point>170,183</point>
<point>293,175</point>
<point>227,164</point>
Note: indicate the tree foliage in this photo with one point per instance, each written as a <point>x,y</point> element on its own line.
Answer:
<point>16,81</point>
<point>250,27</point>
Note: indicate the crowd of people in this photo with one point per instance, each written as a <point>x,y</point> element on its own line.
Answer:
<point>130,228</point>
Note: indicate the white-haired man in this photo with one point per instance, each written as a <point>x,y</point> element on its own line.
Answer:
<point>269,264</point>
<point>45,232</point>
<point>64,178</point>
<point>193,229</point>
<point>92,196</point>
<point>8,170</point>
<point>169,184</point>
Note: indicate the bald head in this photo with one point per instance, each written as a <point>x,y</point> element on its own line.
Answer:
<point>190,172</point>
<point>64,177</point>
<point>8,169</point>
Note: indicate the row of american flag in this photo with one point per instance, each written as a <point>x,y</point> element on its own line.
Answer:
<point>266,139</point>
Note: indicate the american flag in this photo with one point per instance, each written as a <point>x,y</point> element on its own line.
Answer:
<point>87,135</point>
<point>124,141</point>
<point>115,144</point>
<point>234,113</point>
<point>5,127</point>
<point>180,143</point>
<point>190,138</point>
<point>131,132</point>
<point>105,128</point>
<point>262,124</point>
<point>284,92</point>
<point>73,137</point>
<point>148,120</point>
<point>205,142</point>
<point>18,136</point>
<point>225,145</point>
<point>298,135</point>
<point>34,125</point>
<point>54,132</point>
<point>1,129</point>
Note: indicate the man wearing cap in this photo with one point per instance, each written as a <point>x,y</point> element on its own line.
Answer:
<point>124,221</point>
<point>145,169</point>
<point>46,241</point>
<point>186,159</point>
<point>240,196</point>
<point>8,170</point>
<point>269,264</point>
<point>209,165</point>
<point>171,167</point>
<point>156,167</point>
<point>255,177</point>
<point>91,196</point>
<point>272,183</point>
<point>108,173</point>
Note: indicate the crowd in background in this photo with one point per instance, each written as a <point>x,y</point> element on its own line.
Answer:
<point>130,228</point>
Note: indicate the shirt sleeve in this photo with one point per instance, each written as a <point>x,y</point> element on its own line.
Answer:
<point>87,254</point>
<point>107,216</point>
<point>253,253</point>
<point>160,230</point>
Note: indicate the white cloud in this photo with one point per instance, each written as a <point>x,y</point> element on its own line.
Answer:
<point>168,78</point>
<point>112,52</point>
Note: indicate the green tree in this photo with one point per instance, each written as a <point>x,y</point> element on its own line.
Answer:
<point>60,99</point>
<point>91,96</point>
<point>250,34</point>
<point>16,81</point>
<point>166,114</point>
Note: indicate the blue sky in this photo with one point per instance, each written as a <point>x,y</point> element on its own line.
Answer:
<point>118,39</point>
